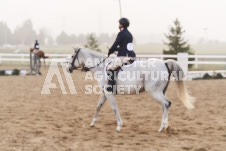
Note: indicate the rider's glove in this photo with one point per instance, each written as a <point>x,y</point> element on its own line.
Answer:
<point>110,52</point>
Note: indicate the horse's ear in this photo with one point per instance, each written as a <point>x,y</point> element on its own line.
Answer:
<point>76,48</point>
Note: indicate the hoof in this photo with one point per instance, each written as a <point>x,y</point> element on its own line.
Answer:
<point>163,129</point>
<point>160,130</point>
<point>91,125</point>
<point>166,129</point>
<point>118,128</point>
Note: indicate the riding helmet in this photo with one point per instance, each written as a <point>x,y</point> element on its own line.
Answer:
<point>124,22</point>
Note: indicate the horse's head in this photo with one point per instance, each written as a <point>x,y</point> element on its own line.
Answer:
<point>76,60</point>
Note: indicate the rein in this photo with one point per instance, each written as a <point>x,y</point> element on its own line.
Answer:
<point>76,57</point>
<point>95,65</point>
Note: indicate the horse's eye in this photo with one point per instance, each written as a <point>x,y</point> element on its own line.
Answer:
<point>72,56</point>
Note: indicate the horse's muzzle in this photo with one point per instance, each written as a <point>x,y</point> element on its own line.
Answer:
<point>70,70</point>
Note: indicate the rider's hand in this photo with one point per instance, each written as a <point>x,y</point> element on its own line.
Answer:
<point>109,53</point>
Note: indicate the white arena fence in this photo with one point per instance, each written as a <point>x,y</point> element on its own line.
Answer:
<point>24,59</point>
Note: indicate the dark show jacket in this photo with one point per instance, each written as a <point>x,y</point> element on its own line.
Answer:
<point>36,46</point>
<point>124,40</point>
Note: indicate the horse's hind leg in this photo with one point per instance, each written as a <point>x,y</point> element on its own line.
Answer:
<point>99,105</point>
<point>39,66</point>
<point>159,96</point>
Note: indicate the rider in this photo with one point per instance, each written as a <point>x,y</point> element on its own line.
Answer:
<point>36,46</point>
<point>125,51</point>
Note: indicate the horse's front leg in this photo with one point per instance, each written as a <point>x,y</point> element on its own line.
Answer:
<point>112,100</point>
<point>99,105</point>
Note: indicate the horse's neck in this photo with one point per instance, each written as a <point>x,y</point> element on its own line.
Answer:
<point>100,57</point>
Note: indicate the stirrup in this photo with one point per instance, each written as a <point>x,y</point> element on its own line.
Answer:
<point>109,89</point>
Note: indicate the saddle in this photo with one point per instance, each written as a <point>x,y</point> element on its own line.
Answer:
<point>131,61</point>
<point>36,51</point>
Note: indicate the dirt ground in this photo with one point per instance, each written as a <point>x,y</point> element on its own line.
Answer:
<point>60,122</point>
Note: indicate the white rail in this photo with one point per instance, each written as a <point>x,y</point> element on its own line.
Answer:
<point>10,57</point>
<point>198,59</point>
<point>25,57</point>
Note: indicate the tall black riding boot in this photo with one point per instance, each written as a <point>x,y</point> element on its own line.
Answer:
<point>111,80</point>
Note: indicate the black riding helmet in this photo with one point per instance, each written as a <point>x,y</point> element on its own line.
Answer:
<point>124,22</point>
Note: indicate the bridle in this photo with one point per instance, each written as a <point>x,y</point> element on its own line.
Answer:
<point>73,61</point>
<point>87,68</point>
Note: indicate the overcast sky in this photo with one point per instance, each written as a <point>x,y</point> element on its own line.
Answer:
<point>147,17</point>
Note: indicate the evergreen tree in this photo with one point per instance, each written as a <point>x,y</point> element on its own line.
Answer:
<point>5,34</point>
<point>42,36</point>
<point>81,39</point>
<point>63,38</point>
<point>25,34</point>
<point>176,42</point>
<point>92,43</point>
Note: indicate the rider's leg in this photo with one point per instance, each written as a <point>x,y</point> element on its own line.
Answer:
<point>111,80</point>
<point>118,62</point>
<point>112,73</point>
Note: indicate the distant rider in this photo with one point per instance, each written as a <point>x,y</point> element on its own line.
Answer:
<point>36,47</point>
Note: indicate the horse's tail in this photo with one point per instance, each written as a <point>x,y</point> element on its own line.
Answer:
<point>178,73</point>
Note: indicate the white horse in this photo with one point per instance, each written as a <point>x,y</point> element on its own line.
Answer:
<point>155,86</point>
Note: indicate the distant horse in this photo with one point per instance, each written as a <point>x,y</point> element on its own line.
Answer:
<point>156,87</point>
<point>40,54</point>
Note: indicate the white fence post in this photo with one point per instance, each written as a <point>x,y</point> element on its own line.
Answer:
<point>196,60</point>
<point>0,58</point>
<point>182,59</point>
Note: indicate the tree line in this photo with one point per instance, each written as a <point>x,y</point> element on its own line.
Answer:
<point>26,35</point>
